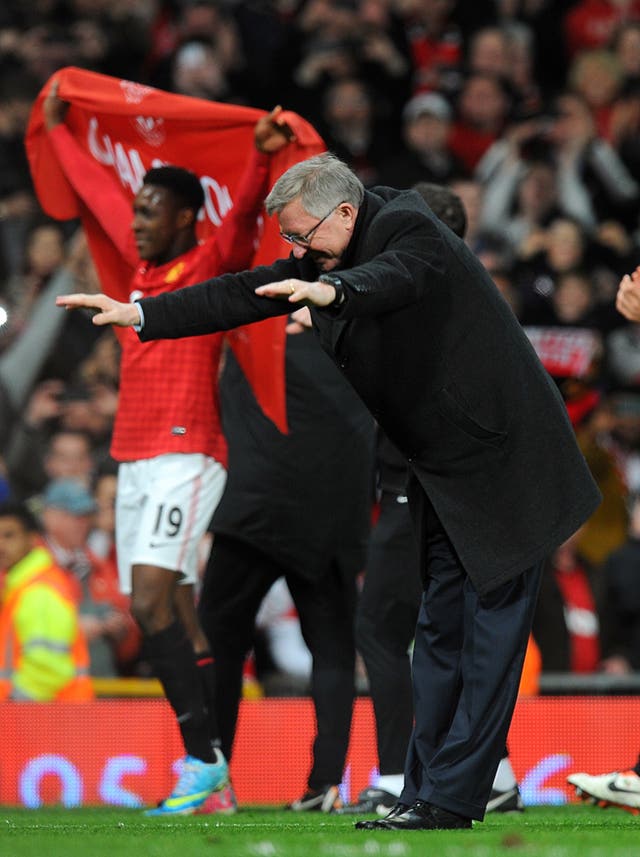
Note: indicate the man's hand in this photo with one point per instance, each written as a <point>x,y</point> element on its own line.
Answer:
<point>271,133</point>
<point>108,310</point>
<point>628,297</point>
<point>299,321</point>
<point>54,108</point>
<point>299,291</point>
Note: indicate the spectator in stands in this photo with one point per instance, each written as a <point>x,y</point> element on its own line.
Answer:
<point>625,118</point>
<point>621,601</point>
<point>44,255</point>
<point>520,194</point>
<point>28,358</point>
<point>483,109</point>
<point>597,77</point>
<point>425,154</point>
<point>592,23</point>
<point>38,454</point>
<point>625,44</point>
<point>435,44</point>
<point>623,350</point>
<point>197,71</point>
<point>594,184</point>
<point>68,516</point>
<point>43,651</point>
<point>578,589</point>
<point>17,201</point>
<point>548,253</point>
<point>352,130</point>
<point>101,539</point>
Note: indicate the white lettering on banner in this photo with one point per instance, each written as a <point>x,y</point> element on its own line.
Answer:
<point>104,153</point>
<point>111,791</point>
<point>50,765</point>
<point>216,212</point>
<point>130,168</point>
<point>126,167</point>
<point>110,788</point>
<point>532,787</point>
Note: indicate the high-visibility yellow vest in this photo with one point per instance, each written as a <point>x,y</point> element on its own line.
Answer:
<point>43,656</point>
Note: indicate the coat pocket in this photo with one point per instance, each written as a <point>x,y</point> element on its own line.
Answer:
<point>454,412</point>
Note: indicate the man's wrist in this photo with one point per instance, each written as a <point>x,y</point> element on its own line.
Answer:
<point>137,326</point>
<point>338,287</point>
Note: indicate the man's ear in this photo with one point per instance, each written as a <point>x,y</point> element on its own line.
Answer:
<point>186,218</point>
<point>347,214</point>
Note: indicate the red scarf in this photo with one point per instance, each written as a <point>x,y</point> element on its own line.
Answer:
<point>129,128</point>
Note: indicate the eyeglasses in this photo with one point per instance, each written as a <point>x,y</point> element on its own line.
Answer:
<point>305,240</point>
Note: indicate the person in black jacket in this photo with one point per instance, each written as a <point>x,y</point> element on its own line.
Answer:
<point>297,506</point>
<point>497,481</point>
<point>389,602</point>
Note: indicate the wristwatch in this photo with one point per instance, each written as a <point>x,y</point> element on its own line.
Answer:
<point>338,285</point>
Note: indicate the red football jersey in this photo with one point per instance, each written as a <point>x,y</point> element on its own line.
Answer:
<point>168,388</point>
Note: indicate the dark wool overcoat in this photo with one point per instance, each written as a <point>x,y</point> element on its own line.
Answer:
<point>443,365</point>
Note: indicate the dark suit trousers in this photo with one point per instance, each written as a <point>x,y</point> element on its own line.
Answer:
<point>237,578</point>
<point>385,622</point>
<point>467,661</point>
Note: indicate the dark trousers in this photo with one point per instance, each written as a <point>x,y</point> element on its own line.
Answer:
<point>467,661</point>
<point>385,623</point>
<point>236,580</point>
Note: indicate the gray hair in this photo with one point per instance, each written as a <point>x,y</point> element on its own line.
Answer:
<point>321,183</point>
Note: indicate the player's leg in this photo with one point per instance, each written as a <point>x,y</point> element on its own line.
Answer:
<point>162,503</point>
<point>326,608</point>
<point>185,604</point>
<point>236,579</point>
<point>385,624</point>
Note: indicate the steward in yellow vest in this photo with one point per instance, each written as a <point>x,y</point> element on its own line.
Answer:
<point>43,651</point>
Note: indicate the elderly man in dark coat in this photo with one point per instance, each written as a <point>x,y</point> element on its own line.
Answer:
<point>497,480</point>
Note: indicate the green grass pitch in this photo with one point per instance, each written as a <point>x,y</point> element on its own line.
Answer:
<point>571,831</point>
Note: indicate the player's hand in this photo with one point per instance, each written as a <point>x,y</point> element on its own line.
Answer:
<point>108,311</point>
<point>54,108</point>
<point>628,297</point>
<point>299,291</point>
<point>272,133</point>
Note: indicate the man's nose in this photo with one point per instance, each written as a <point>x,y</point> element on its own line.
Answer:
<point>299,252</point>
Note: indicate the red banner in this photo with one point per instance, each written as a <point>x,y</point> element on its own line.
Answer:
<point>128,129</point>
<point>122,752</point>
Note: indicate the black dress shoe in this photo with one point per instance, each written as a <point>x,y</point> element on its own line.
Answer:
<point>375,824</point>
<point>425,816</point>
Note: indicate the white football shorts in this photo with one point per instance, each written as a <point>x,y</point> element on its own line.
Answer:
<point>163,508</point>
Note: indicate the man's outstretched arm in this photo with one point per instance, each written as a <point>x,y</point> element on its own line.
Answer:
<point>108,310</point>
<point>219,304</point>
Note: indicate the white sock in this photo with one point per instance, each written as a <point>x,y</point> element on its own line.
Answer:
<point>505,779</point>
<point>392,783</point>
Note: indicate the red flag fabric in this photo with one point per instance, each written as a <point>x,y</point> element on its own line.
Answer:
<point>128,128</point>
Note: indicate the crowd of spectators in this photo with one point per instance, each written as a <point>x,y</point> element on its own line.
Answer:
<point>528,109</point>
